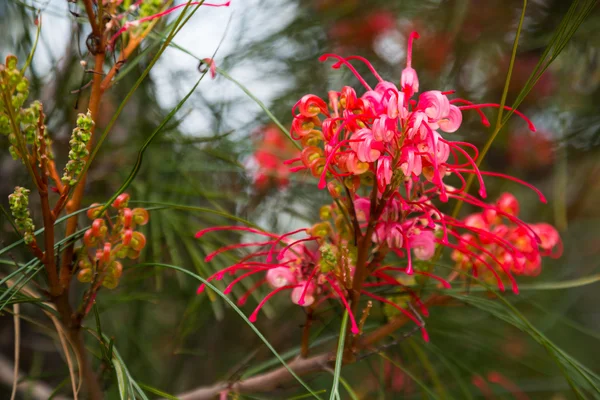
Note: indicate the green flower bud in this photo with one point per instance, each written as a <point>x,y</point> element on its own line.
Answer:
<point>110,282</point>
<point>85,275</point>
<point>19,203</point>
<point>328,259</point>
<point>79,139</point>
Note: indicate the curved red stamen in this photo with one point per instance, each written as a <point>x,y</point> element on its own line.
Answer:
<point>252,317</point>
<point>512,178</point>
<point>234,246</point>
<point>482,191</point>
<point>232,228</point>
<point>444,282</point>
<point>402,310</point>
<point>280,238</point>
<point>354,326</point>
<point>476,202</point>
<point>244,276</point>
<point>128,25</point>
<point>368,64</point>
<point>242,300</point>
<point>323,179</point>
<point>470,253</point>
<point>342,60</point>
<point>286,248</point>
<point>411,38</point>
<point>519,113</point>
<point>484,119</point>
<point>310,277</point>
<point>514,285</point>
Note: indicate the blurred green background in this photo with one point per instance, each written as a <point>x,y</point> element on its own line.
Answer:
<point>172,339</point>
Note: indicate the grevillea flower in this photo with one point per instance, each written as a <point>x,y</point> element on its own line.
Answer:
<point>510,246</point>
<point>386,158</point>
<point>266,166</point>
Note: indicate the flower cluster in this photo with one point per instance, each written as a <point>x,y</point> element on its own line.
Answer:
<point>266,164</point>
<point>497,240</point>
<point>321,265</point>
<point>21,124</point>
<point>19,208</point>
<point>385,159</point>
<point>78,153</point>
<point>107,241</point>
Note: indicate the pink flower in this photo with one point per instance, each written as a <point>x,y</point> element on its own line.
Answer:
<point>280,276</point>
<point>435,105</point>
<point>508,203</point>
<point>451,122</point>
<point>410,163</point>
<point>550,239</point>
<point>365,145</point>
<point>303,294</point>
<point>384,173</point>
<point>409,82</point>
<point>423,245</point>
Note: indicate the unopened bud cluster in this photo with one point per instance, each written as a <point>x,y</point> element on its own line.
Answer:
<point>78,153</point>
<point>109,240</point>
<point>19,208</point>
<point>14,119</point>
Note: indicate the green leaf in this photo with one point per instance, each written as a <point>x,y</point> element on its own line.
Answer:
<point>335,394</point>
<point>157,391</point>
<point>123,393</point>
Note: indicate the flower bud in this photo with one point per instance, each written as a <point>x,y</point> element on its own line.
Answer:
<point>126,237</point>
<point>132,254</point>
<point>85,275</point>
<point>110,282</point>
<point>78,148</point>
<point>280,276</point>
<point>115,269</point>
<point>121,201</point>
<point>320,230</point>
<point>19,207</point>
<point>96,225</point>
<point>335,189</point>
<point>301,297</point>
<point>138,241</point>
<point>106,252</point>
<point>127,217</point>
<point>508,204</point>
<point>94,211</point>
<point>89,239</point>
<point>325,212</point>
<point>140,216</point>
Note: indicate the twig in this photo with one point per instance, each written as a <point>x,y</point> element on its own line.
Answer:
<point>274,379</point>
<point>262,383</point>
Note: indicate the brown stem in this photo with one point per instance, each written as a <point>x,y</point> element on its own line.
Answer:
<point>55,177</point>
<point>55,288</point>
<point>266,382</point>
<point>91,384</point>
<point>89,9</point>
<point>131,46</point>
<point>75,203</point>
<point>274,379</point>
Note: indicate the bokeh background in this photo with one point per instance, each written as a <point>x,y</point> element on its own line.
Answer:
<point>223,152</point>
